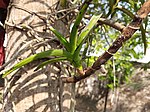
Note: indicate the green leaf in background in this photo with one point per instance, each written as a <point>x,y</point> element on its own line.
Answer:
<point>135,55</point>
<point>55,52</point>
<point>50,61</point>
<point>61,38</point>
<point>112,5</point>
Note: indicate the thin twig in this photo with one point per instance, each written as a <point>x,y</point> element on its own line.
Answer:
<point>30,12</point>
<point>116,25</point>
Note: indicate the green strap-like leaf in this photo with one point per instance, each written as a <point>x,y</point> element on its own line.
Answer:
<point>74,31</point>
<point>84,34</point>
<point>88,28</point>
<point>82,37</point>
<point>55,52</point>
<point>61,38</point>
<point>50,61</point>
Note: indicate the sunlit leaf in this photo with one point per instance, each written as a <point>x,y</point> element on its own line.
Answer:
<point>84,33</point>
<point>50,61</point>
<point>74,31</point>
<point>56,52</point>
<point>82,37</point>
<point>61,38</point>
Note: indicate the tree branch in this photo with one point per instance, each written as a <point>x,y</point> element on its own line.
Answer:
<point>111,23</point>
<point>126,34</point>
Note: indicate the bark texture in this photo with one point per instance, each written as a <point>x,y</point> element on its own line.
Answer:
<point>25,89</point>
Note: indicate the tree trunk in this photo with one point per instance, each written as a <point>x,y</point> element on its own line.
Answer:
<point>25,89</point>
